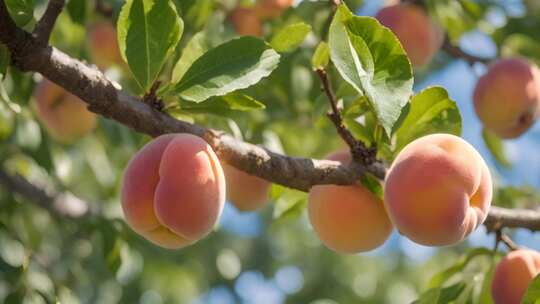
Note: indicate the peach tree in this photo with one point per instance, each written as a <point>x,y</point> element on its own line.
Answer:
<point>136,135</point>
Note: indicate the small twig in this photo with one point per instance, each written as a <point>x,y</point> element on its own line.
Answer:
<point>505,239</point>
<point>45,25</point>
<point>358,150</point>
<point>457,52</point>
<point>152,99</point>
<point>336,2</point>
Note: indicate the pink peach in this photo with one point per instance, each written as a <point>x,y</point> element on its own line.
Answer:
<point>513,275</point>
<point>438,190</point>
<point>246,192</point>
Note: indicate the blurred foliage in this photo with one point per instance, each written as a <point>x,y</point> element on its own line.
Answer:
<point>268,257</point>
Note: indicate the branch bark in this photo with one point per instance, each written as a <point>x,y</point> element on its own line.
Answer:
<point>62,205</point>
<point>104,98</point>
<point>457,52</point>
<point>45,25</point>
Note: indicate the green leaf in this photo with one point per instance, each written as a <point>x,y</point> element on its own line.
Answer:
<point>485,292</point>
<point>194,49</point>
<point>22,11</point>
<point>222,104</point>
<point>532,295</point>
<point>289,202</point>
<point>290,37</point>
<point>496,146</point>
<point>371,59</point>
<point>456,17</point>
<point>148,32</point>
<point>5,59</point>
<point>430,111</point>
<point>321,56</point>
<point>441,295</point>
<point>233,65</point>
<point>77,10</point>
<point>443,276</point>
<point>521,45</point>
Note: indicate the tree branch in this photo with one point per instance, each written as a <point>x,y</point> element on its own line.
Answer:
<point>104,98</point>
<point>62,205</point>
<point>359,151</point>
<point>45,25</point>
<point>458,53</point>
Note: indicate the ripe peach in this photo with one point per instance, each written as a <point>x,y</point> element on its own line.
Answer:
<point>507,97</point>
<point>269,9</point>
<point>438,190</point>
<point>513,275</point>
<point>348,219</point>
<point>419,35</point>
<point>103,46</point>
<point>246,22</point>
<point>173,190</point>
<point>246,192</point>
<point>64,115</point>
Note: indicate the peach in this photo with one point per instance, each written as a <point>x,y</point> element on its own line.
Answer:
<point>507,97</point>
<point>246,22</point>
<point>246,192</point>
<point>348,219</point>
<point>173,190</point>
<point>513,275</point>
<point>64,115</point>
<point>269,9</point>
<point>419,35</point>
<point>438,190</point>
<point>103,46</point>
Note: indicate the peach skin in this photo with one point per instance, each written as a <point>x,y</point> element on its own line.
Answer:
<point>64,115</point>
<point>103,46</point>
<point>348,219</point>
<point>513,275</point>
<point>270,9</point>
<point>246,22</point>
<point>173,190</point>
<point>507,97</point>
<point>246,192</point>
<point>438,190</point>
<point>419,35</point>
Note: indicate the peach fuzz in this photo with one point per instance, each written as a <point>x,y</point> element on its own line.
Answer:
<point>269,9</point>
<point>246,192</point>
<point>64,115</point>
<point>103,46</point>
<point>246,22</point>
<point>173,190</point>
<point>513,275</point>
<point>348,219</point>
<point>438,190</point>
<point>419,35</point>
<point>507,97</point>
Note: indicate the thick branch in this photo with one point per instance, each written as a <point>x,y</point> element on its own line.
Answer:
<point>512,218</point>
<point>44,27</point>
<point>105,99</point>
<point>59,204</point>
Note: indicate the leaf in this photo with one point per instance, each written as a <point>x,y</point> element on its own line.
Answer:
<point>148,32</point>
<point>289,203</point>
<point>194,49</point>
<point>532,295</point>
<point>441,277</point>
<point>290,37</point>
<point>430,111</point>
<point>485,292</point>
<point>371,59</point>
<point>441,295</point>
<point>222,104</point>
<point>457,17</point>
<point>233,65</point>
<point>321,56</point>
<point>77,10</point>
<point>22,11</point>
<point>5,59</point>
<point>496,146</point>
